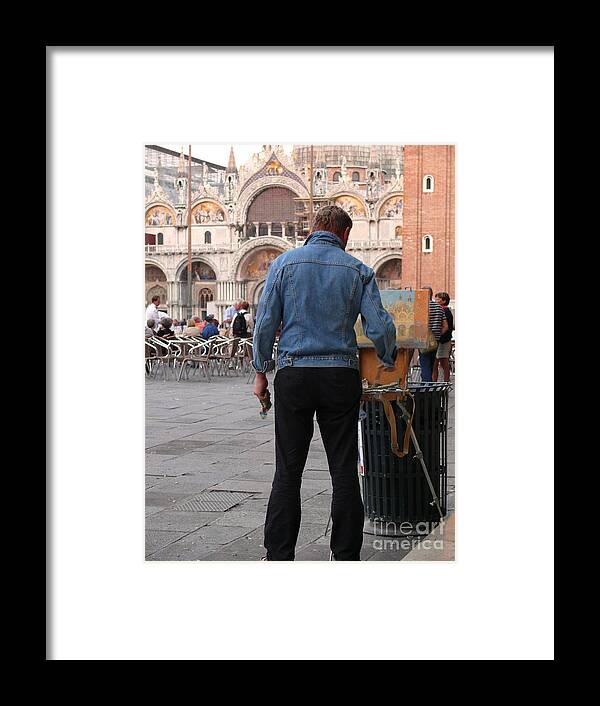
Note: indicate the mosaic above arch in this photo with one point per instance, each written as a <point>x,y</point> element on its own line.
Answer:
<point>351,205</point>
<point>256,265</point>
<point>208,212</point>
<point>390,270</point>
<point>201,272</point>
<point>392,208</point>
<point>160,216</point>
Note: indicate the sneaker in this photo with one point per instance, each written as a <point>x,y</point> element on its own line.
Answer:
<point>264,558</point>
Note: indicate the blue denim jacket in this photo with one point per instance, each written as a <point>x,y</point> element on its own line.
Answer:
<point>315,293</point>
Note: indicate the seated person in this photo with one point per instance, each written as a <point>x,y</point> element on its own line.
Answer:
<point>150,328</point>
<point>165,330</point>
<point>192,329</point>
<point>210,329</point>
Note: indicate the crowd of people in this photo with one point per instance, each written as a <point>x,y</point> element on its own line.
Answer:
<point>237,323</point>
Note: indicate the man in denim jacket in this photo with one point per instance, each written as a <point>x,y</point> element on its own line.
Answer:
<point>314,294</point>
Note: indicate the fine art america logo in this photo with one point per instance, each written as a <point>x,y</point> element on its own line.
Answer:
<point>406,536</point>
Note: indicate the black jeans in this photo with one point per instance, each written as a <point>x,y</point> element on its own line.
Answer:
<point>334,394</point>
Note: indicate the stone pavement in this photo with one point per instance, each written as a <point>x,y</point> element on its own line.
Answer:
<point>201,436</point>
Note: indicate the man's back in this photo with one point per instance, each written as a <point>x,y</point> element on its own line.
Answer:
<point>317,292</point>
<point>210,330</point>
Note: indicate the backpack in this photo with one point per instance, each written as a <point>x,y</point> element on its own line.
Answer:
<point>240,325</point>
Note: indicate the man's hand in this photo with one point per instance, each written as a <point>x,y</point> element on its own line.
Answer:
<point>260,385</point>
<point>386,368</point>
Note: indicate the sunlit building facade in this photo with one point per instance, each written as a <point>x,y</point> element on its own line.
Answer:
<point>400,198</point>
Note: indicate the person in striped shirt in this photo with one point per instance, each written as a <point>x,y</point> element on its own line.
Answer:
<point>436,316</point>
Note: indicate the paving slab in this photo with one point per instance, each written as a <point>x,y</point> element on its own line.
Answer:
<point>247,548</point>
<point>247,486</point>
<point>157,539</point>
<point>190,484</point>
<point>318,501</point>
<point>436,546</point>
<point>176,447</point>
<point>313,552</point>
<point>180,551</point>
<point>240,517</point>
<point>221,534</point>
<point>164,499</point>
<point>264,474</point>
<point>180,521</point>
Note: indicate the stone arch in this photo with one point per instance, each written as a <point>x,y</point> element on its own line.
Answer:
<point>205,295</point>
<point>274,204</point>
<point>158,276</point>
<point>251,245</point>
<point>208,206</point>
<point>381,202</point>
<point>253,267</point>
<point>162,212</point>
<point>257,293</point>
<point>382,259</point>
<point>251,192</point>
<point>158,289</point>
<point>389,204</point>
<point>346,196</point>
<point>182,267</point>
<point>154,263</point>
<point>388,268</point>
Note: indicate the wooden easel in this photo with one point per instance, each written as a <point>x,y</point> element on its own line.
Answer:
<point>372,371</point>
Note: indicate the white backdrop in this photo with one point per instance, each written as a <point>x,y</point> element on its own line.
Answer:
<point>495,600</point>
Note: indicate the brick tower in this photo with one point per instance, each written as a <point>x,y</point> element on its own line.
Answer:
<point>428,232</point>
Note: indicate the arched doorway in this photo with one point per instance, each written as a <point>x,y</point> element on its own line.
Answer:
<point>389,274</point>
<point>252,271</point>
<point>155,285</point>
<point>273,212</point>
<point>157,291</point>
<point>205,295</point>
<point>258,290</point>
<point>204,282</point>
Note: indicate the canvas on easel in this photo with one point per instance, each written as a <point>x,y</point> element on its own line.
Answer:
<point>409,309</point>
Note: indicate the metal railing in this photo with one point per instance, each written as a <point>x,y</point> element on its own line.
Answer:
<point>353,245</point>
<point>199,247</point>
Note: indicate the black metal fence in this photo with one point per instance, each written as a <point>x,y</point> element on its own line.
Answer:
<point>396,489</point>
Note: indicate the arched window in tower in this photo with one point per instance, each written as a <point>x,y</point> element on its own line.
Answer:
<point>427,243</point>
<point>428,183</point>
<point>159,239</point>
<point>207,237</point>
<point>337,176</point>
<point>355,176</point>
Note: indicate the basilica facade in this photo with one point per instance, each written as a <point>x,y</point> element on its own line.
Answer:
<point>400,199</point>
